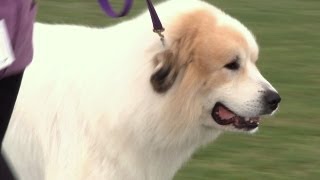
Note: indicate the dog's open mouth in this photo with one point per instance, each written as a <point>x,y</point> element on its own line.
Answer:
<point>224,116</point>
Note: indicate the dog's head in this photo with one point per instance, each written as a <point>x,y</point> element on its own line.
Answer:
<point>208,72</point>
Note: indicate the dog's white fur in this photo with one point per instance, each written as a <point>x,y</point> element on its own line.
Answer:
<point>87,110</point>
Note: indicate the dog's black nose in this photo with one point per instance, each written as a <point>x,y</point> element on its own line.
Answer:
<point>272,99</point>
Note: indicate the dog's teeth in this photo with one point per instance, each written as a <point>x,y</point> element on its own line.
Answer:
<point>246,119</point>
<point>251,121</point>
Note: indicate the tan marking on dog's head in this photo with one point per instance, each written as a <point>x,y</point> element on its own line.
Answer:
<point>204,46</point>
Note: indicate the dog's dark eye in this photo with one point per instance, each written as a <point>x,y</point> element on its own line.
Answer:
<point>234,65</point>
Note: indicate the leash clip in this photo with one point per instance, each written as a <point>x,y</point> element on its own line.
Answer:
<point>159,32</point>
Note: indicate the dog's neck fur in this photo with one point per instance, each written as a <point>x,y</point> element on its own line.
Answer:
<point>150,143</point>
<point>142,152</point>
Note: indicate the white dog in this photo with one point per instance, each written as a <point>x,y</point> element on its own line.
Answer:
<point>114,103</point>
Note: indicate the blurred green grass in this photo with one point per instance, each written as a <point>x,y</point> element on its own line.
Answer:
<point>288,145</point>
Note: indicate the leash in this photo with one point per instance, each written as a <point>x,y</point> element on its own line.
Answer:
<point>157,25</point>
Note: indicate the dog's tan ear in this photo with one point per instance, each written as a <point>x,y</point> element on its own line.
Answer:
<point>166,71</point>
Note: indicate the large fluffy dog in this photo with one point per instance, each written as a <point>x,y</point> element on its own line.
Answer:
<point>115,104</point>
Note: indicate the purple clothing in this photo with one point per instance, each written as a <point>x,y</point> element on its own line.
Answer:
<point>19,16</point>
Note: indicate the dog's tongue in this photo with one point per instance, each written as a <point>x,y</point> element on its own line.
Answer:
<point>225,113</point>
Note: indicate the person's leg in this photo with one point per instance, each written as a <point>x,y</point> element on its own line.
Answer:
<point>9,88</point>
<point>5,172</point>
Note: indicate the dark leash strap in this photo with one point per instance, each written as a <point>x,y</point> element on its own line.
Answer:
<point>157,25</point>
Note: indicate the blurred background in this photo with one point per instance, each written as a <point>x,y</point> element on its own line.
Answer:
<point>288,144</point>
